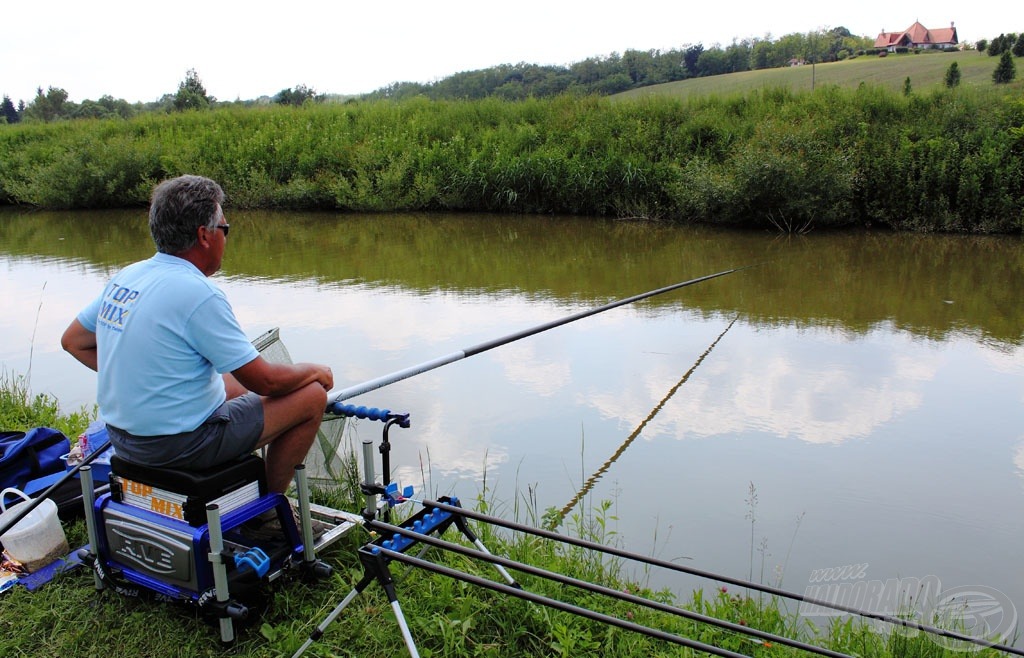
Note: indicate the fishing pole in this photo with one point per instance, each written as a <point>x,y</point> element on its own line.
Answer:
<point>397,376</point>
<point>388,530</point>
<point>894,620</point>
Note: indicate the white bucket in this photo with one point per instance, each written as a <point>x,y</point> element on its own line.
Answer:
<point>38,538</point>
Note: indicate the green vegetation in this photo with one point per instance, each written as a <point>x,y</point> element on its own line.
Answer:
<point>1006,71</point>
<point>67,617</point>
<point>953,75</point>
<point>946,160</point>
<point>925,68</point>
<point>595,75</point>
<point>19,409</point>
<point>634,69</point>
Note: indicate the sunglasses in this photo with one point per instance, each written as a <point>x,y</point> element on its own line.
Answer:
<point>224,227</point>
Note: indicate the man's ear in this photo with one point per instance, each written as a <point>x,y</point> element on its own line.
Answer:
<point>203,236</point>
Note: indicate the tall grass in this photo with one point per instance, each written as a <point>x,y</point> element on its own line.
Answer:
<point>20,409</point>
<point>947,160</point>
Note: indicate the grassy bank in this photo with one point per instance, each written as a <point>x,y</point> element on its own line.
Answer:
<point>925,69</point>
<point>68,617</point>
<point>948,160</point>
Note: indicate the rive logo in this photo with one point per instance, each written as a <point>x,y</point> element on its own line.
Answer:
<point>146,552</point>
<point>116,306</point>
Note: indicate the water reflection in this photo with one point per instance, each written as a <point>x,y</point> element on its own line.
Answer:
<point>849,390</point>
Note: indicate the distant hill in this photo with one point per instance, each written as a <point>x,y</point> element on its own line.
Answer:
<point>926,70</point>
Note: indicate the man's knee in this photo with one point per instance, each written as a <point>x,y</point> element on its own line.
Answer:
<point>317,399</point>
<point>304,406</point>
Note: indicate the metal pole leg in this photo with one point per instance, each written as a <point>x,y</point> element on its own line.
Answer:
<point>406,635</point>
<point>305,516</point>
<point>220,572</point>
<point>378,564</point>
<point>329,619</point>
<point>369,480</point>
<point>89,500</point>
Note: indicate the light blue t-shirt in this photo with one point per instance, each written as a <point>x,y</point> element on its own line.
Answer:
<point>164,334</point>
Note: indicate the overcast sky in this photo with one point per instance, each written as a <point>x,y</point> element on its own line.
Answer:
<point>140,50</point>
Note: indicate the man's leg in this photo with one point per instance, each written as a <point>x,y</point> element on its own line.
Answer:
<point>290,423</point>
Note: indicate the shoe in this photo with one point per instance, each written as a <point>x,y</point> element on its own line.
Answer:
<point>267,526</point>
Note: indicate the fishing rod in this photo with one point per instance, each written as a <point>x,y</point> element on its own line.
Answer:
<point>893,619</point>
<point>388,530</point>
<point>592,480</point>
<point>397,376</point>
<point>380,382</point>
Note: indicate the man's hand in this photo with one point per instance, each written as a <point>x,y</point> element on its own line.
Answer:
<point>274,379</point>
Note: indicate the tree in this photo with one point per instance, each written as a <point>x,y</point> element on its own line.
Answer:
<point>712,62</point>
<point>8,110</point>
<point>816,46</point>
<point>998,46</point>
<point>296,96</point>
<point>1005,71</point>
<point>788,48</point>
<point>1018,46</point>
<point>51,106</point>
<point>192,94</point>
<point>690,58</point>
<point>107,107</point>
<point>907,89</point>
<point>982,45</point>
<point>737,56</point>
<point>761,54</point>
<point>953,75</point>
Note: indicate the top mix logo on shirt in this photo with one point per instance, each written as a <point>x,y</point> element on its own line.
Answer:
<point>116,305</point>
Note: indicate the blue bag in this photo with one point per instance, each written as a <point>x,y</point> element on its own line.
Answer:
<point>26,456</point>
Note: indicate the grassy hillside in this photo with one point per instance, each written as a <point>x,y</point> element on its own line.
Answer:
<point>927,71</point>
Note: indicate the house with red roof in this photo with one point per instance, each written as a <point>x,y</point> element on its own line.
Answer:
<point>918,36</point>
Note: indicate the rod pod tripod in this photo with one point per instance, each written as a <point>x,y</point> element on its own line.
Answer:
<point>429,520</point>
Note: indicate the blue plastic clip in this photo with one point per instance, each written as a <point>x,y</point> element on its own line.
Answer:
<point>393,497</point>
<point>254,559</point>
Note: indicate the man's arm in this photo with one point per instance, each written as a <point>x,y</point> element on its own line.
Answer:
<point>80,343</point>
<point>274,379</point>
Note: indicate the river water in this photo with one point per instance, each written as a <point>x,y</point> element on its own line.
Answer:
<point>855,400</point>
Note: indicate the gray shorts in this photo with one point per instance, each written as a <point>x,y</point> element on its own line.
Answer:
<point>231,431</point>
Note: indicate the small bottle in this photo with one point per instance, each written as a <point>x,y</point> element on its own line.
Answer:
<point>75,456</point>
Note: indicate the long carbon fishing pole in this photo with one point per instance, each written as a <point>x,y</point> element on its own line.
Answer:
<point>374,384</point>
<point>428,540</point>
<point>767,589</point>
<point>559,605</point>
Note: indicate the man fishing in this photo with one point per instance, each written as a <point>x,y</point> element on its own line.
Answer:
<point>179,384</point>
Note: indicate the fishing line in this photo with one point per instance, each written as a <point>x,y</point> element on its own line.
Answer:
<point>592,480</point>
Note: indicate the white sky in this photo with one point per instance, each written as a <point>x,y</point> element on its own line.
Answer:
<point>139,51</point>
